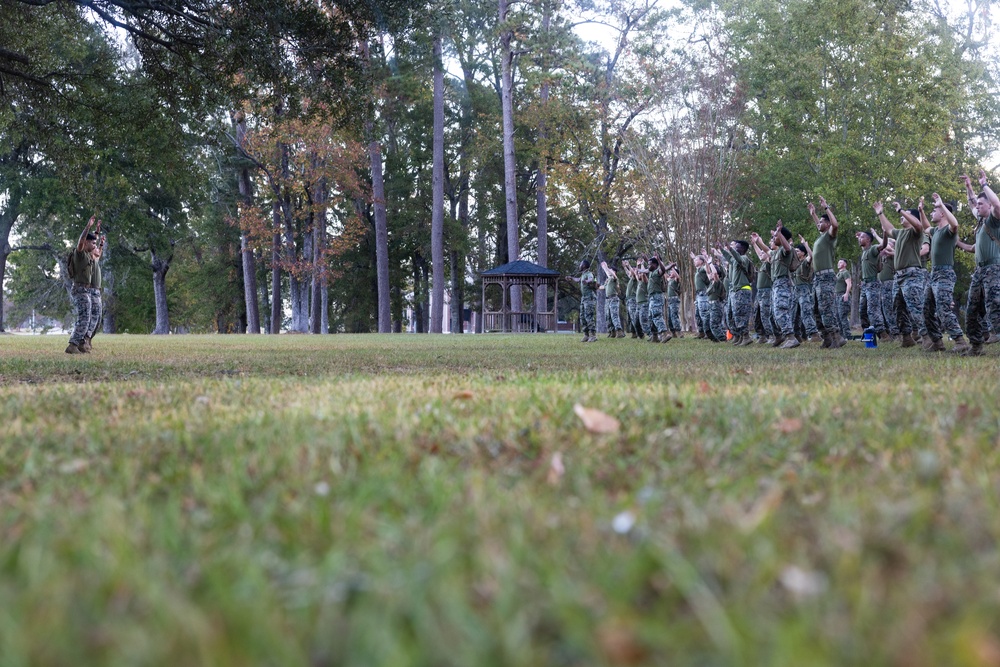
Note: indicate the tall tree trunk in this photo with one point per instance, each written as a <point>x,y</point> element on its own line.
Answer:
<point>381,237</point>
<point>160,266</point>
<point>265,299</point>
<point>4,254</point>
<point>109,326</point>
<point>246,251</point>
<point>437,205</point>
<point>541,195</point>
<point>276,314</point>
<point>418,299</point>
<point>509,163</point>
<point>7,219</point>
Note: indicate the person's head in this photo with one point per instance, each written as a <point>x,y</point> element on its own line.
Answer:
<point>800,251</point>
<point>654,264</point>
<point>983,208</point>
<point>740,246</point>
<point>584,264</point>
<point>824,223</point>
<point>915,212</point>
<point>841,265</point>
<point>699,261</point>
<point>937,215</point>
<point>865,239</point>
<point>90,242</point>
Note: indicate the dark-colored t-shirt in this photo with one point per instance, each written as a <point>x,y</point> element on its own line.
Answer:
<point>886,273</point>
<point>842,278</point>
<point>717,290</point>
<point>764,275</point>
<point>95,275</point>
<point>655,283</point>
<point>869,263</point>
<point>943,242</point>
<point>611,287</point>
<point>781,262</point>
<point>986,247</point>
<point>908,244</point>
<point>823,252</point>
<point>640,293</point>
<point>673,288</point>
<point>803,274</point>
<point>83,267</point>
<point>587,285</point>
<point>630,288</point>
<point>701,280</point>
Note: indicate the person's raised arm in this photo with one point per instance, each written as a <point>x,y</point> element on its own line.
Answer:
<point>781,237</point>
<point>805,244</point>
<point>83,235</point>
<point>991,196</point>
<point>887,227</point>
<point>713,275</point>
<point>611,273</point>
<point>910,220</point>
<point>948,215</point>
<point>757,244</point>
<point>812,213</point>
<point>969,192</point>
<point>925,224</point>
<point>834,225</point>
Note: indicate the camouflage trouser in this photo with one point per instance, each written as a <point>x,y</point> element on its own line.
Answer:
<point>642,307</point>
<point>741,304</point>
<point>656,312</point>
<point>674,313</point>
<point>863,308</point>
<point>939,313</point>
<point>588,315</point>
<point>911,283</point>
<point>763,318</point>
<point>95,311</point>
<point>730,318</point>
<point>633,322</point>
<point>716,319</point>
<point>701,313</point>
<point>824,287</point>
<point>84,307</point>
<point>844,314</point>
<point>872,293</point>
<point>889,306</point>
<point>781,306</point>
<point>983,307</point>
<point>806,304</point>
<point>613,305</point>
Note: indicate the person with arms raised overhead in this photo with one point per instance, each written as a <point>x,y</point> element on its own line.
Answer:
<point>908,270</point>
<point>824,276</point>
<point>80,269</point>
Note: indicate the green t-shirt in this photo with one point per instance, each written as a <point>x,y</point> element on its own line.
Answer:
<point>587,285</point>
<point>803,274</point>
<point>716,290</point>
<point>630,288</point>
<point>640,293</point>
<point>908,244</point>
<point>701,280</point>
<point>869,263</point>
<point>986,247</point>
<point>823,252</point>
<point>655,283</point>
<point>611,287</point>
<point>781,262</point>
<point>95,275</point>
<point>673,288</point>
<point>943,242</point>
<point>842,278</point>
<point>887,270</point>
<point>739,270</point>
<point>764,275</point>
<point>83,267</point>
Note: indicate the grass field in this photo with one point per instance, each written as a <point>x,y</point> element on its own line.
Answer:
<point>375,500</point>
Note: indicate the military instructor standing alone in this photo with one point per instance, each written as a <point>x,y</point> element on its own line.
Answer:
<point>80,269</point>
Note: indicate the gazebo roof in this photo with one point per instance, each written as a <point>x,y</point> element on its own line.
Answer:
<point>520,268</point>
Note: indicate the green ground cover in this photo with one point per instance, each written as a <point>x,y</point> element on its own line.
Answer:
<point>374,500</point>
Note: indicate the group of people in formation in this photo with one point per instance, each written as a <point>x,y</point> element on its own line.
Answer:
<point>795,293</point>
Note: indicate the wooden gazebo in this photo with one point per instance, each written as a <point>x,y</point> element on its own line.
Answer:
<point>539,280</point>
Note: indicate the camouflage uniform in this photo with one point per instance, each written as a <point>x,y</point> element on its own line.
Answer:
<point>983,307</point>
<point>939,315</point>
<point>673,306</point>
<point>872,293</point>
<point>642,309</point>
<point>782,303</point>
<point>845,315</point>
<point>824,284</point>
<point>588,304</point>
<point>804,306</point>
<point>888,289</point>
<point>656,299</point>
<point>910,291</point>
<point>612,304</point>
<point>763,317</point>
<point>84,308</point>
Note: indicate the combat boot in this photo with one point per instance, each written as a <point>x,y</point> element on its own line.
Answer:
<point>593,337</point>
<point>680,334</point>
<point>612,333</point>
<point>777,340</point>
<point>701,334</point>
<point>654,337</point>
<point>621,333</point>
<point>907,340</point>
<point>747,340</point>
<point>666,336</point>
<point>85,346</point>
<point>993,339</point>
<point>73,349</point>
<point>634,334</point>
<point>838,340</point>
<point>827,341</point>
<point>975,350</point>
<point>961,345</point>
<point>790,343</point>
<point>928,344</point>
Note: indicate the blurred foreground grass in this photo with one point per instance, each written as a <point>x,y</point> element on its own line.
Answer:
<point>375,500</point>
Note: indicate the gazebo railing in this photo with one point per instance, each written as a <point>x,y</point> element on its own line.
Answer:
<point>519,322</point>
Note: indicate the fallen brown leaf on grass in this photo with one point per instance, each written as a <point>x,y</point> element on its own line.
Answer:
<point>620,643</point>
<point>787,426</point>
<point>762,508</point>
<point>596,421</point>
<point>556,469</point>
<point>463,395</point>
